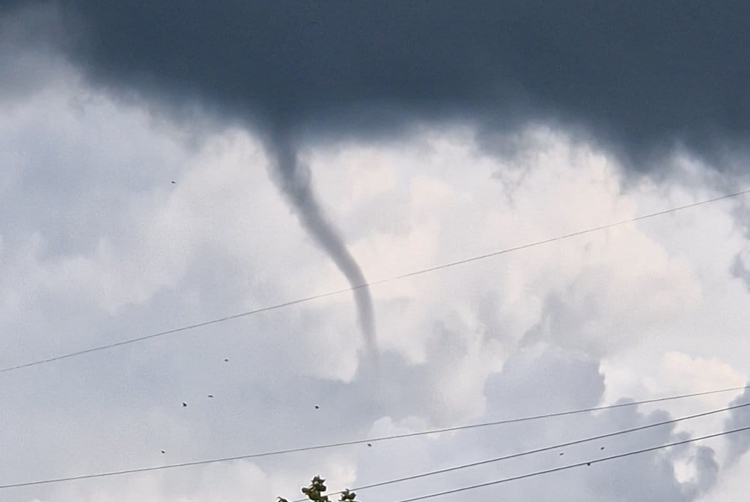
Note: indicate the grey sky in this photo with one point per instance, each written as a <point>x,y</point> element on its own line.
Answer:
<point>101,107</point>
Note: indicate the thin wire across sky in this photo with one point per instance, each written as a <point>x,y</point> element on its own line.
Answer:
<point>288,451</point>
<point>554,447</point>
<point>586,463</point>
<point>374,283</point>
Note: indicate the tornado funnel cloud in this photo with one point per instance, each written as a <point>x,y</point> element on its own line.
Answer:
<point>293,179</point>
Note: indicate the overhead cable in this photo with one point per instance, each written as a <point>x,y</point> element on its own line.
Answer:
<point>573,466</point>
<point>353,288</point>
<point>361,441</point>
<point>540,450</point>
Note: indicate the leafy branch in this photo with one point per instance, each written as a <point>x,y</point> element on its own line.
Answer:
<point>316,490</point>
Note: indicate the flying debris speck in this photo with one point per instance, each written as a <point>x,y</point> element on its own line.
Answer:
<point>317,407</point>
<point>184,404</point>
<point>211,396</point>
<point>163,452</point>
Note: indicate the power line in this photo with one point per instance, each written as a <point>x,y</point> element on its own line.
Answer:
<point>540,450</point>
<point>573,466</point>
<point>360,286</point>
<point>362,441</point>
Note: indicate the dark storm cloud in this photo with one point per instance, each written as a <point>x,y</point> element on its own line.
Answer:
<point>26,61</point>
<point>640,74</point>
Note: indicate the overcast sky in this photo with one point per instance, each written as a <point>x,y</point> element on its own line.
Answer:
<point>169,163</point>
